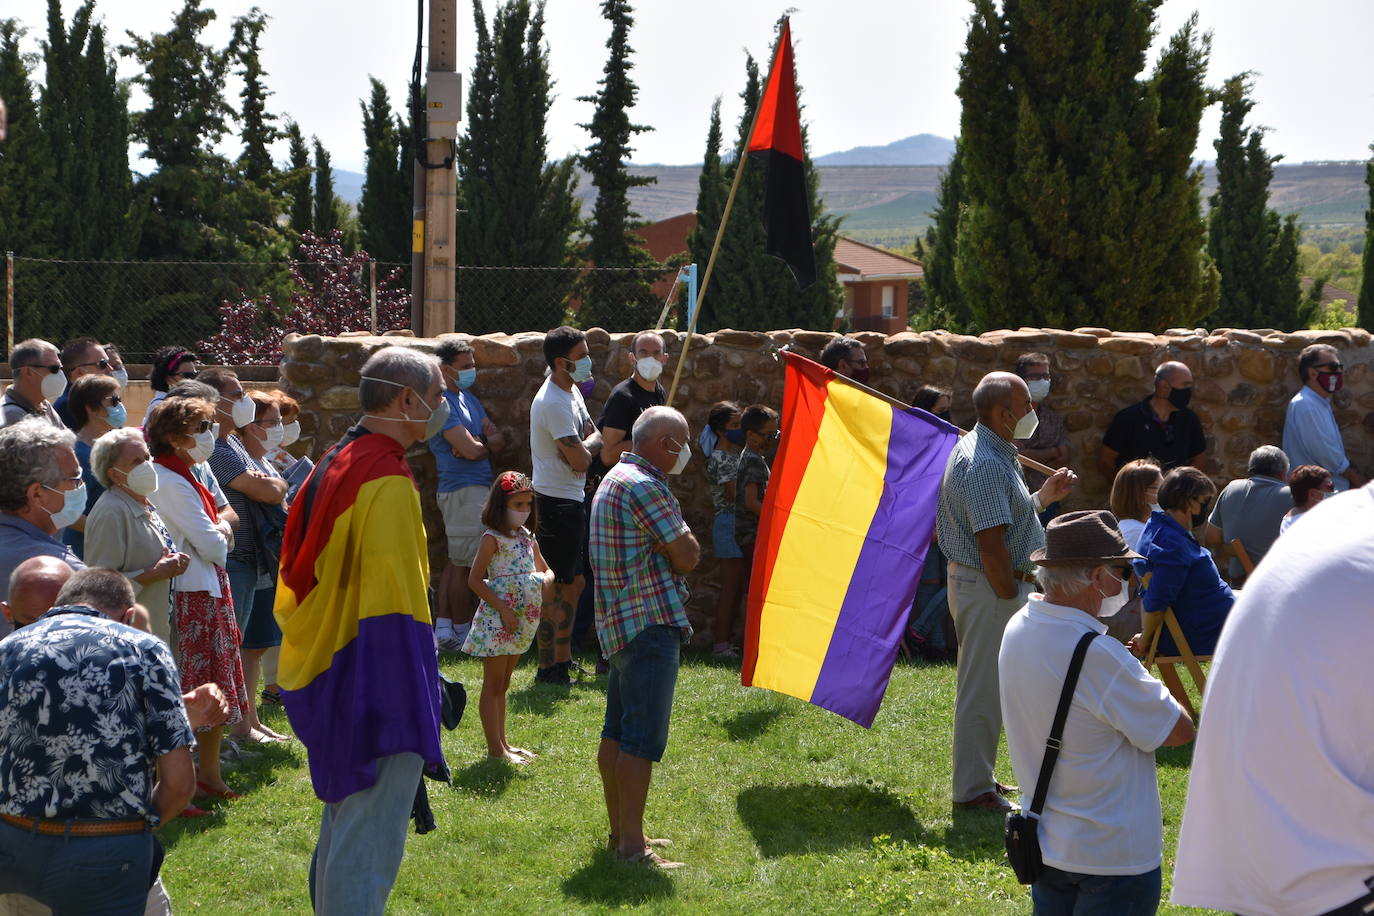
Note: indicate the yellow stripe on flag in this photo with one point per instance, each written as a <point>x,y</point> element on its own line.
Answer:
<point>825,530</point>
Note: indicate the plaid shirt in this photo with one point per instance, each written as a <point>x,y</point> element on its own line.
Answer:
<point>983,488</point>
<point>634,512</point>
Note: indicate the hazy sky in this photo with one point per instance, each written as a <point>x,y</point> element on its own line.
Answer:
<point>872,71</point>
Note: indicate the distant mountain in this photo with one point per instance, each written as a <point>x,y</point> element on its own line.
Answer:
<point>349,186</point>
<point>922,149</point>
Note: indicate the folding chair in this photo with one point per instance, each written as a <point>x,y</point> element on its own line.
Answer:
<point>1245,562</point>
<point>1167,663</point>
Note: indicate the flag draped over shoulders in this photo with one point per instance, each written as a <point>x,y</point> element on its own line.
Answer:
<point>358,670</point>
<point>846,521</point>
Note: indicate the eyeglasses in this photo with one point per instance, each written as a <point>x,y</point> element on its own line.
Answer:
<point>112,400</point>
<point>184,376</point>
<point>1038,377</point>
<point>101,363</point>
<point>775,435</point>
<point>267,424</point>
<point>51,369</point>
<point>1332,367</point>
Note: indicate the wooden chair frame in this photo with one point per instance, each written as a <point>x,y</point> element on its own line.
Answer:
<point>1166,663</point>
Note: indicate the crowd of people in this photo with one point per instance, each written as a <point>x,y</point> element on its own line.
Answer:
<point>200,559</point>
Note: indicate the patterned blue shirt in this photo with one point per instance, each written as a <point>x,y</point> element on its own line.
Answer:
<point>87,705</point>
<point>984,487</point>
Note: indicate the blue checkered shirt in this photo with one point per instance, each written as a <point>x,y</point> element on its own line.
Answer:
<point>984,487</point>
<point>632,513</point>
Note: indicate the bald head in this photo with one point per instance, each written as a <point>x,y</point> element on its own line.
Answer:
<point>34,586</point>
<point>1000,400</point>
<point>1175,373</point>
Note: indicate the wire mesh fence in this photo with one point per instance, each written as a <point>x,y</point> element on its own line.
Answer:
<point>144,305</point>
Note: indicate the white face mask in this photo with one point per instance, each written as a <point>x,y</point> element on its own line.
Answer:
<point>275,434</point>
<point>121,376</point>
<point>54,383</point>
<point>290,433</point>
<point>682,458</point>
<point>434,422</point>
<point>1026,426</point>
<point>205,445</point>
<point>1112,603</point>
<point>516,518</point>
<point>242,412</point>
<point>73,506</point>
<point>1039,389</point>
<point>141,478</point>
<point>649,368</point>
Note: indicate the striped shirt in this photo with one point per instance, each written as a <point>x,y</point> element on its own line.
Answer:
<point>634,512</point>
<point>983,487</point>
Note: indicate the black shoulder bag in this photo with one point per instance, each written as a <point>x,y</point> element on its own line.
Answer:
<point>1023,833</point>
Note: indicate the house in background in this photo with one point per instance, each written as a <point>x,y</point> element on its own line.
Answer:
<point>875,281</point>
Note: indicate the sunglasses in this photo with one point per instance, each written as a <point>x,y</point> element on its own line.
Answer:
<point>101,363</point>
<point>184,376</point>
<point>51,369</point>
<point>204,426</point>
<point>1331,367</point>
<point>112,400</point>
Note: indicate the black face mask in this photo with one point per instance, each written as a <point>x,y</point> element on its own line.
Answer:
<point>1201,515</point>
<point>1179,397</point>
<point>944,415</point>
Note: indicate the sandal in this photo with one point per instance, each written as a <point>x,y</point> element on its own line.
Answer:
<point>271,697</point>
<point>653,860</point>
<point>660,843</point>
<point>205,789</point>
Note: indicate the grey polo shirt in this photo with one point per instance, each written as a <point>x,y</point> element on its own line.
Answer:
<point>13,408</point>
<point>984,487</point>
<point>1252,510</point>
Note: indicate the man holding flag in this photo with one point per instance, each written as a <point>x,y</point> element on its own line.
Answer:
<point>987,527</point>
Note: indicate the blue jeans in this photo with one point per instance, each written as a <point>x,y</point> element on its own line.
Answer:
<point>91,875</point>
<point>243,582</point>
<point>362,839</point>
<point>1063,893</point>
<point>639,692</point>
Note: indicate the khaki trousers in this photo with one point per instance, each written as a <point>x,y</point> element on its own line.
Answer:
<point>979,619</point>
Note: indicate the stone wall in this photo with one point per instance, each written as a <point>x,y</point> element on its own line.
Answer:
<point>1243,380</point>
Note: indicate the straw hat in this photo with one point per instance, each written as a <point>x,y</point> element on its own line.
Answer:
<point>1083,539</point>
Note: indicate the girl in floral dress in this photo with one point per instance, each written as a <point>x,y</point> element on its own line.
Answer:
<point>510,576</point>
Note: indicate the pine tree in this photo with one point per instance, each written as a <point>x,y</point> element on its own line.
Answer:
<point>29,210</point>
<point>944,300</point>
<point>1083,204</point>
<point>1366,300</point>
<point>326,218</point>
<point>384,210</point>
<point>624,301</point>
<point>712,188</point>
<point>297,181</point>
<point>517,209</point>
<point>1255,252</point>
<point>757,291</point>
<point>257,132</point>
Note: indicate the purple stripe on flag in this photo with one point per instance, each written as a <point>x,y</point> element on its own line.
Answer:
<point>858,662</point>
<point>378,697</point>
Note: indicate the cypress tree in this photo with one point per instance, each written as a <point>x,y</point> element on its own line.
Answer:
<point>326,218</point>
<point>622,301</point>
<point>1255,252</point>
<point>297,181</point>
<point>384,210</point>
<point>29,192</point>
<point>944,299</point>
<point>517,209</point>
<point>712,188</point>
<point>1366,300</point>
<point>258,132</point>
<point>1083,203</point>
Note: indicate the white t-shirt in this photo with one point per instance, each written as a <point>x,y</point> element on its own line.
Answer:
<point>554,414</point>
<point>1131,530</point>
<point>1280,811</point>
<point>1102,814</point>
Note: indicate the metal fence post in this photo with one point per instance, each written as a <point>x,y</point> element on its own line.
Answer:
<point>9,302</point>
<point>372,269</point>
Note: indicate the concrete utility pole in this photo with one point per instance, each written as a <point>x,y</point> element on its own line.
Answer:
<point>436,183</point>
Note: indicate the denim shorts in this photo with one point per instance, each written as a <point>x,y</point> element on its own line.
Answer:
<point>723,537</point>
<point>262,631</point>
<point>639,692</point>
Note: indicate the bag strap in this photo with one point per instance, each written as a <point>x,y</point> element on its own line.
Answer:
<point>1061,715</point>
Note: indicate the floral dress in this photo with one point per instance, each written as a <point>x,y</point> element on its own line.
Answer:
<point>511,574</point>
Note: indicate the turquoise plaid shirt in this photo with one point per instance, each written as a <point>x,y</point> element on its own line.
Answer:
<point>632,513</point>
<point>984,487</point>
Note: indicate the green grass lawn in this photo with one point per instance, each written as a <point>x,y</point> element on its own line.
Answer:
<point>777,806</point>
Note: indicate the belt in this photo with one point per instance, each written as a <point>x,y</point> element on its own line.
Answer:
<point>75,827</point>
<point>1023,576</point>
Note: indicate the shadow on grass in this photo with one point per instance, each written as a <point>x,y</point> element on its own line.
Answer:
<point>751,723</point>
<point>255,767</point>
<point>1180,757</point>
<point>976,835</point>
<point>489,776</point>
<point>610,882</point>
<point>788,820</point>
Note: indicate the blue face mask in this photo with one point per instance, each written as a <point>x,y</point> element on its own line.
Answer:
<point>466,377</point>
<point>116,416</point>
<point>582,369</point>
<point>735,435</point>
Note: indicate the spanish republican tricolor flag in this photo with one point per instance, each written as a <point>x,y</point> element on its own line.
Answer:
<point>846,520</point>
<point>359,672</point>
<point>777,143</point>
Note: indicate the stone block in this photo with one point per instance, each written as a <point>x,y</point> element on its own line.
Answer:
<point>1066,362</point>
<point>706,364</point>
<point>1257,365</point>
<point>339,423</point>
<point>530,345</point>
<point>1243,337</point>
<point>812,340</point>
<point>1216,340</point>
<point>1233,422</point>
<point>1129,367</point>
<point>971,349</point>
<point>970,375</point>
<point>1241,443</point>
<point>304,347</point>
<point>1337,339</point>
<point>1100,365</point>
<point>907,344</point>
<point>1359,337</point>
<point>340,397</point>
<point>1193,343</point>
<point>496,352</point>
<point>1095,332</point>
<point>1135,346</point>
<point>780,337</point>
<point>399,332</point>
<point>1078,420</point>
<point>1218,364</point>
<point>1208,391</point>
<point>751,340</point>
<point>1284,342</point>
<point>1071,340</point>
<point>303,373</point>
<point>940,371</point>
<point>598,339</point>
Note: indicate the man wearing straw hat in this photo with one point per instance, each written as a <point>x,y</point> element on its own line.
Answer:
<point>1100,830</point>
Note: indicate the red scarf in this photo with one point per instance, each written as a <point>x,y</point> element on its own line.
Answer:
<point>173,463</point>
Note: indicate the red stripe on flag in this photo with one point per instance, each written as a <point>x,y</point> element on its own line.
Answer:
<point>803,408</point>
<point>779,122</point>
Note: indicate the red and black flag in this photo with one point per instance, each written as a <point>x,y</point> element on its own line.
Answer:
<point>777,140</point>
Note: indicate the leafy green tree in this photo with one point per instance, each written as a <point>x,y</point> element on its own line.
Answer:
<point>1255,251</point>
<point>944,302</point>
<point>29,211</point>
<point>1366,300</point>
<point>712,188</point>
<point>258,132</point>
<point>1083,203</point>
<point>758,291</point>
<point>624,301</point>
<point>384,210</point>
<point>326,214</point>
<point>296,181</point>
<point>515,208</point>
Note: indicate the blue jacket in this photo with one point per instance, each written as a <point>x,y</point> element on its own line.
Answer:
<point>1183,576</point>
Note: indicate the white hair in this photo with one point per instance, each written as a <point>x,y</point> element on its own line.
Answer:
<point>106,450</point>
<point>657,421</point>
<point>1064,579</point>
<point>28,454</point>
